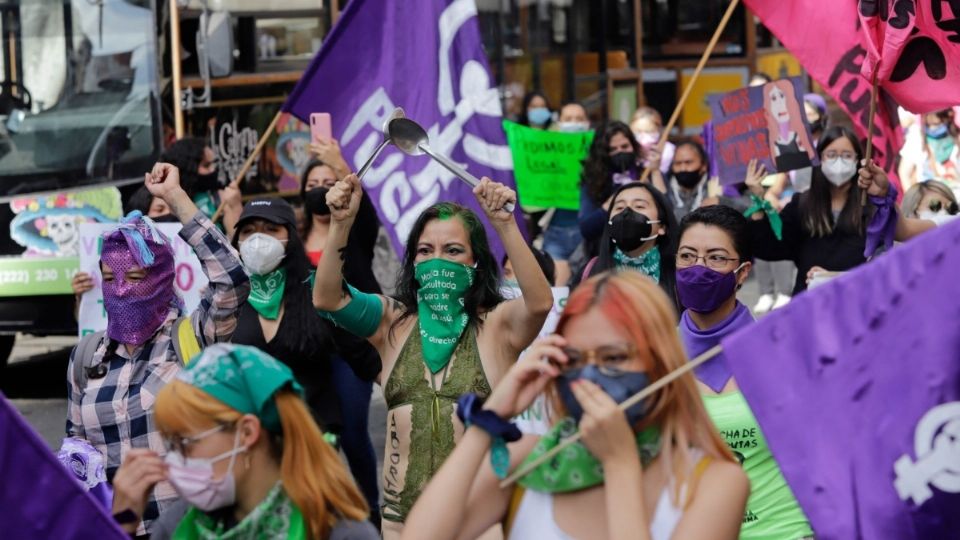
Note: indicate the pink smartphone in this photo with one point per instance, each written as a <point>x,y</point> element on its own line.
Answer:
<point>320,127</point>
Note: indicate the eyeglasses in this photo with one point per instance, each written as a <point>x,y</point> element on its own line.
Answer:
<point>609,359</point>
<point>833,154</point>
<point>180,444</point>
<point>714,261</point>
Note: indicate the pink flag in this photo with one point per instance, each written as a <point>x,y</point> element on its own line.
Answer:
<point>830,48</point>
<point>914,47</point>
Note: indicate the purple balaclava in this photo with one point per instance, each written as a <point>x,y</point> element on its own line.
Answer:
<point>136,310</point>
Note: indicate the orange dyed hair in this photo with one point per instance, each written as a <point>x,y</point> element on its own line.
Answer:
<point>311,471</point>
<point>638,307</point>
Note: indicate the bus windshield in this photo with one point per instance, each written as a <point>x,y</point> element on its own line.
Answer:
<point>78,93</point>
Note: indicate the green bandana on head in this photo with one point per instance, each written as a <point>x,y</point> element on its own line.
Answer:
<point>266,292</point>
<point>575,468</point>
<point>440,305</point>
<point>647,263</point>
<point>243,377</point>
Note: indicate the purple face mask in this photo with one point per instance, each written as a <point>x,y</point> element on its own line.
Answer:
<point>703,289</point>
<point>136,310</point>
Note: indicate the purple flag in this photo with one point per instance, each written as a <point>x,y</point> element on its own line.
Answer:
<point>428,59</point>
<point>39,497</point>
<point>856,385</point>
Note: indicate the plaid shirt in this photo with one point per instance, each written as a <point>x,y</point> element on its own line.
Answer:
<point>115,412</point>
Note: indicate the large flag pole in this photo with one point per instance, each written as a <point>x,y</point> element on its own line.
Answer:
<point>693,81</point>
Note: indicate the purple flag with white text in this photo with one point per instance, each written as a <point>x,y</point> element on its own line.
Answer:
<point>39,497</point>
<point>856,385</point>
<point>426,57</point>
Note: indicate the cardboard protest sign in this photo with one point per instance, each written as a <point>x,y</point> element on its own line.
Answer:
<point>547,165</point>
<point>189,279</point>
<point>766,123</point>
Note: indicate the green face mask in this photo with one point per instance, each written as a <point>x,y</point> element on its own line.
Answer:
<point>266,292</point>
<point>440,305</point>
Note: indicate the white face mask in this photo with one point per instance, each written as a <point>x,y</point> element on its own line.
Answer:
<point>261,253</point>
<point>193,478</point>
<point>839,171</point>
<point>573,127</point>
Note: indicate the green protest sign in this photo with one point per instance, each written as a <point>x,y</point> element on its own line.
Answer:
<point>547,165</point>
<point>22,276</point>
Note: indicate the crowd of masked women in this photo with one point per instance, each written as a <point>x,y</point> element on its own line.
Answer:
<point>241,440</point>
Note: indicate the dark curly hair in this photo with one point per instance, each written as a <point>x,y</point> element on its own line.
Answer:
<point>596,173</point>
<point>186,154</point>
<point>484,294</point>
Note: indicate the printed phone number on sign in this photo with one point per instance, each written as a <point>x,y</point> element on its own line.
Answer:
<point>40,275</point>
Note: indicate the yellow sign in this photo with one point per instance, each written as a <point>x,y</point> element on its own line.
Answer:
<point>696,111</point>
<point>778,65</point>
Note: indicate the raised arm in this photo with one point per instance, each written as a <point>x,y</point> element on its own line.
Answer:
<point>520,319</point>
<point>874,179</point>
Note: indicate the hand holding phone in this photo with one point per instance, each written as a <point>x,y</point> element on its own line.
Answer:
<point>321,129</point>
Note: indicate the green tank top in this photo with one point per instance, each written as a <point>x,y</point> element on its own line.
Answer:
<point>431,416</point>
<point>772,511</point>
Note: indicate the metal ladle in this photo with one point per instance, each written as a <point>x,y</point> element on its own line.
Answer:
<point>397,113</point>
<point>412,140</point>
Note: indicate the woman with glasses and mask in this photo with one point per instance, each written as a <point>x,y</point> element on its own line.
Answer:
<point>713,261</point>
<point>655,471</point>
<point>245,456</point>
<point>449,332</point>
<point>826,228</point>
<point>638,236</point>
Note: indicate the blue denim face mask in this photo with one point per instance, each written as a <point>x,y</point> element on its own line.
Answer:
<point>619,385</point>
<point>538,116</point>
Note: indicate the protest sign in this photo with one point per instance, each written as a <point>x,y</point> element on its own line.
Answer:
<point>189,279</point>
<point>766,123</point>
<point>547,165</point>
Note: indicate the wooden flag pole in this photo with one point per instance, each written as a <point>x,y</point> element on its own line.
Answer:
<point>693,81</point>
<point>868,154</point>
<point>630,402</point>
<point>249,162</point>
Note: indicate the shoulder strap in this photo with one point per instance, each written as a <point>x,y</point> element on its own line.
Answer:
<point>512,508</point>
<point>185,342</point>
<point>83,356</point>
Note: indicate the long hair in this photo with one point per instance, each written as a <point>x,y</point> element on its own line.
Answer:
<point>793,109</point>
<point>640,309</point>
<point>311,471</point>
<point>186,155</point>
<point>666,243</point>
<point>525,104</point>
<point>484,294</point>
<point>310,334</point>
<point>816,214</point>
<point>308,222</point>
<point>596,172</point>
<point>911,199</point>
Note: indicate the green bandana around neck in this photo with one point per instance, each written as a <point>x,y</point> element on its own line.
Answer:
<point>647,263</point>
<point>575,468</point>
<point>440,306</point>
<point>276,517</point>
<point>266,292</point>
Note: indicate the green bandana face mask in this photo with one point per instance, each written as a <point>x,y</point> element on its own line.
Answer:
<point>266,292</point>
<point>440,305</point>
<point>647,263</point>
<point>942,148</point>
<point>575,468</point>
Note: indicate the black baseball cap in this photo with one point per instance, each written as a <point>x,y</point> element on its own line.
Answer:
<point>272,209</point>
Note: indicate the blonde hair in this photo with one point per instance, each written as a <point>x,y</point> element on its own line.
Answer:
<point>638,306</point>
<point>311,471</point>
<point>913,196</point>
<point>650,113</point>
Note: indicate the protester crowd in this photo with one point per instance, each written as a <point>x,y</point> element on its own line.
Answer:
<point>227,422</point>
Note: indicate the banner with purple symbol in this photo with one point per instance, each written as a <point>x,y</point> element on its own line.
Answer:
<point>766,123</point>
<point>856,386</point>
<point>430,61</point>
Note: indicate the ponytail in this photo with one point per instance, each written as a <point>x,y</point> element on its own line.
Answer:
<point>311,471</point>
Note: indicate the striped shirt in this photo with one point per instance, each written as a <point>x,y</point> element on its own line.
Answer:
<point>115,412</point>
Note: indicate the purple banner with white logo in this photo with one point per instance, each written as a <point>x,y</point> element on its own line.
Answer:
<point>856,385</point>
<point>40,498</point>
<point>426,57</point>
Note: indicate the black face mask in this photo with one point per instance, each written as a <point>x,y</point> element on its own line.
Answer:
<point>622,162</point>
<point>688,179</point>
<point>818,126</point>
<point>208,182</point>
<point>630,229</point>
<point>166,218</point>
<point>315,201</point>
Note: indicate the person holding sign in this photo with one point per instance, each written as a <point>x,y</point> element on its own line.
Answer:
<point>450,332</point>
<point>713,261</point>
<point>112,391</point>
<point>657,470</point>
<point>822,229</point>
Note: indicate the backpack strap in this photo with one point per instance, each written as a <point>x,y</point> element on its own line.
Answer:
<point>83,356</point>
<point>185,342</point>
<point>516,497</point>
